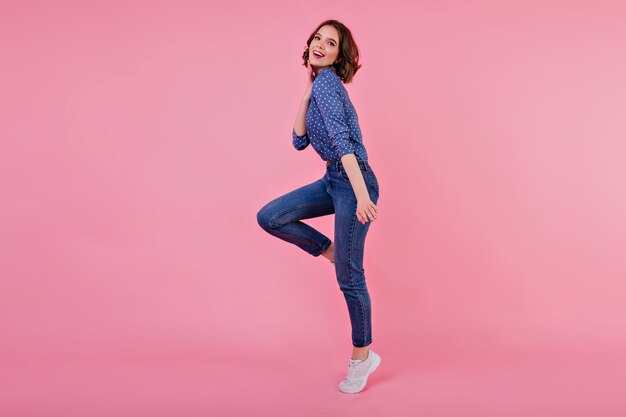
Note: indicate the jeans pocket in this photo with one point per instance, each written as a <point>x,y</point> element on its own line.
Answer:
<point>344,175</point>
<point>368,176</point>
<point>371,180</point>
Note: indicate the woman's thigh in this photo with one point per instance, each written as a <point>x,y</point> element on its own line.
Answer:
<point>350,233</point>
<point>309,201</point>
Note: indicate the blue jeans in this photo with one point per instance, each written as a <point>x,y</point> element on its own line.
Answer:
<point>332,193</point>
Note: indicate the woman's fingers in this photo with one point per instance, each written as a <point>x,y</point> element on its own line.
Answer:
<point>371,211</point>
<point>371,215</point>
<point>368,214</point>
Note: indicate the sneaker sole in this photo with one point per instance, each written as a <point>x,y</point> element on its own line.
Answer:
<point>375,365</point>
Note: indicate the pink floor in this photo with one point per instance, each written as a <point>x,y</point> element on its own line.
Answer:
<point>488,383</point>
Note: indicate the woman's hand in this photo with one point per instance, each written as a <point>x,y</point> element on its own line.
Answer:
<point>310,71</point>
<point>310,78</point>
<point>366,210</point>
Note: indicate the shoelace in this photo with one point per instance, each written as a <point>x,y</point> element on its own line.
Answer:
<point>352,368</point>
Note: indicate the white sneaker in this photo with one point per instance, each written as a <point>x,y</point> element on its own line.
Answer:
<point>358,371</point>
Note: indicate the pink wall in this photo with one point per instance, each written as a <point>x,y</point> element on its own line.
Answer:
<point>139,140</point>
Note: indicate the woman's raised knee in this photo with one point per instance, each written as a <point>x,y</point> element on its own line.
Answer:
<point>264,218</point>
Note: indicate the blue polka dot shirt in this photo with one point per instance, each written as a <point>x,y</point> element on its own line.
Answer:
<point>332,125</point>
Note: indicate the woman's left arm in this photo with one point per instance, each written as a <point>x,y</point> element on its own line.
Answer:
<point>365,209</point>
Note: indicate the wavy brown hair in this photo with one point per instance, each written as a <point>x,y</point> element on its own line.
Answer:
<point>347,62</point>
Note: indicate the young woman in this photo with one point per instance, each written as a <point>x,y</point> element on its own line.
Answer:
<point>328,121</point>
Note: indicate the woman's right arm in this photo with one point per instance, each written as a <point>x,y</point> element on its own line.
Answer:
<point>299,137</point>
<point>301,141</point>
<point>300,125</point>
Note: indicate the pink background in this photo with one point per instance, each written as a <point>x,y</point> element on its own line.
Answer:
<point>140,139</point>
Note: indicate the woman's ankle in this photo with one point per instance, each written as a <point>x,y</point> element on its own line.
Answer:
<point>329,253</point>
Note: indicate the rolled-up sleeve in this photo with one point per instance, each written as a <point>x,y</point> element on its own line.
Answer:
<point>330,104</point>
<point>299,142</point>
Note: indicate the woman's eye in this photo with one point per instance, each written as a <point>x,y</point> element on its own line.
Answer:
<point>330,43</point>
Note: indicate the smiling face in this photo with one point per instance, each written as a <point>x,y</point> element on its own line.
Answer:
<point>326,41</point>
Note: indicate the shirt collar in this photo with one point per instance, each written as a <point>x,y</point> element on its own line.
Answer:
<point>327,68</point>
